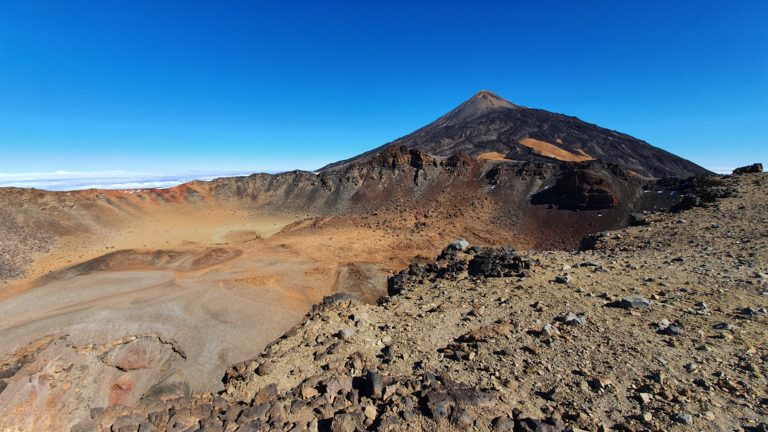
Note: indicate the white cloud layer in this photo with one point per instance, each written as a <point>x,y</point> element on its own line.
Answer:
<point>74,180</point>
<point>721,170</point>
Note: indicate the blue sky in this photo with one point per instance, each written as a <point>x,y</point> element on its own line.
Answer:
<point>181,86</point>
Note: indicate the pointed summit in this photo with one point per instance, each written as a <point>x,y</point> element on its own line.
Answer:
<point>480,103</point>
<point>491,99</point>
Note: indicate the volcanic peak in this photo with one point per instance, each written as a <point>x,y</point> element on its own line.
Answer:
<point>482,102</point>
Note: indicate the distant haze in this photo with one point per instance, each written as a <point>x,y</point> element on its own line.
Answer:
<point>65,180</point>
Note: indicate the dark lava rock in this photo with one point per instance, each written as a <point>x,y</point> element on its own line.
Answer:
<point>673,329</point>
<point>572,319</point>
<point>579,189</point>
<point>753,313</point>
<point>632,302</point>
<point>749,169</point>
<point>697,191</point>
<point>687,202</point>
<point>451,264</point>
<point>501,262</point>
<point>683,418</point>
<point>374,385</point>
<point>439,404</point>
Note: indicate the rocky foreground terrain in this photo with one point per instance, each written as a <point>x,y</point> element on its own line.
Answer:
<point>660,326</point>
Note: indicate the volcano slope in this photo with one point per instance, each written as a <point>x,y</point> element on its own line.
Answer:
<point>489,126</point>
<point>655,327</point>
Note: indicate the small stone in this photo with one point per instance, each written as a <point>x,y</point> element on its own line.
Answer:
<point>389,391</point>
<point>265,394</point>
<point>375,385</point>
<point>563,279</point>
<point>339,383</point>
<point>343,423</point>
<point>503,424</point>
<point>634,302</point>
<point>572,319</point>
<point>752,313</point>
<point>265,368</point>
<point>346,333</point>
<point>370,412</point>
<point>308,392</point>
<point>459,245</point>
<point>683,418</point>
<point>645,398</point>
<point>672,329</point>
<point>549,331</point>
<point>723,326</point>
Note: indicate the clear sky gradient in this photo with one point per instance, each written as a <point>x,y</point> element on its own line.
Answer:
<point>171,86</point>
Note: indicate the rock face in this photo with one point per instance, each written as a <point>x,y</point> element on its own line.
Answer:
<point>487,124</point>
<point>579,189</point>
<point>508,350</point>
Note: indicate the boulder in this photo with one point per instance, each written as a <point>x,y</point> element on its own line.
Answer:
<point>459,245</point>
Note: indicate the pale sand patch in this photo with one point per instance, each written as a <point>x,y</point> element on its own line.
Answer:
<point>154,227</point>
<point>491,156</point>
<point>550,150</point>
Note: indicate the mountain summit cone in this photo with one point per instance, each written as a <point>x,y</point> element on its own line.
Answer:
<point>482,102</point>
<point>489,126</point>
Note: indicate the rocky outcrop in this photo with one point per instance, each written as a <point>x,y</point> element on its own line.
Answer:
<point>579,189</point>
<point>749,169</point>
